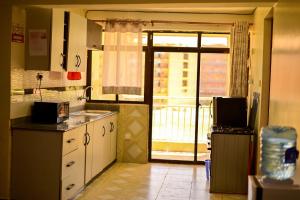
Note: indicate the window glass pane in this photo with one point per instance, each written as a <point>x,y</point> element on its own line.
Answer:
<point>126,97</point>
<point>96,78</point>
<point>144,38</point>
<point>215,40</point>
<point>213,74</point>
<point>175,40</point>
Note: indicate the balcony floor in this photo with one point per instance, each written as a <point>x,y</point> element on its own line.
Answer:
<point>184,156</point>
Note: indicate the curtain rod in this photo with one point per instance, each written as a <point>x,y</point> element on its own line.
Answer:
<point>170,22</point>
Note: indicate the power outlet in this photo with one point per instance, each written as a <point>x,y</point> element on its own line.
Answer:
<point>39,76</point>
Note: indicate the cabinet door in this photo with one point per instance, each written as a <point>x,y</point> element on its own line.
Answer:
<point>113,137</point>
<point>77,53</point>
<point>57,40</point>
<point>38,41</point>
<point>89,152</point>
<point>107,150</point>
<point>98,147</point>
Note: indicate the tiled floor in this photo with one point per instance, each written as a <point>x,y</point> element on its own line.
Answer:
<point>153,182</point>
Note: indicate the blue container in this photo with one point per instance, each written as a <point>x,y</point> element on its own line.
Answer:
<point>207,168</point>
<point>278,152</point>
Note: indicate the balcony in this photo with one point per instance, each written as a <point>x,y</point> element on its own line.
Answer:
<point>173,129</point>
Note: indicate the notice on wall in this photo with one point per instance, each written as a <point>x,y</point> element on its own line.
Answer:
<point>37,42</point>
<point>17,34</point>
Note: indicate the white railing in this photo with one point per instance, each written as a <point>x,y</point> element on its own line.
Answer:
<point>176,123</point>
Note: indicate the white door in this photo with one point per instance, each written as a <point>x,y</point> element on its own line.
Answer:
<point>57,40</point>
<point>89,152</point>
<point>77,53</point>
<point>113,137</point>
<point>98,147</point>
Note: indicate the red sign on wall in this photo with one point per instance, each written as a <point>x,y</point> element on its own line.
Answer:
<point>17,34</point>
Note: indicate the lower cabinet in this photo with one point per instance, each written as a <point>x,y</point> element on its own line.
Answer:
<point>47,165</point>
<point>52,165</point>
<point>104,133</point>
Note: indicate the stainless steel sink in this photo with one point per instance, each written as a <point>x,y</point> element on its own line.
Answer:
<point>102,112</point>
<point>91,113</point>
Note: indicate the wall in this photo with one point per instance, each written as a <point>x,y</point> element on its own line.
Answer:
<point>217,18</point>
<point>22,79</point>
<point>133,133</point>
<point>285,75</point>
<point>259,67</point>
<point>5,140</point>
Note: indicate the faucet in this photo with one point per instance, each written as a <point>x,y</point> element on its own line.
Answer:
<point>84,94</point>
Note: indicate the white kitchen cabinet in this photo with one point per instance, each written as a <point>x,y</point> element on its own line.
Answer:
<point>77,51</point>
<point>89,152</point>
<point>56,41</point>
<point>58,164</point>
<point>98,147</point>
<point>47,165</point>
<point>44,39</point>
<point>112,120</point>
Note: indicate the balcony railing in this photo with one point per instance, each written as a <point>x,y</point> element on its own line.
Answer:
<point>173,122</point>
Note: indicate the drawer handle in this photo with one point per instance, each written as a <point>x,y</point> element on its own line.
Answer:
<point>112,127</point>
<point>70,164</point>
<point>103,131</point>
<point>70,140</point>
<point>70,186</point>
<point>88,138</point>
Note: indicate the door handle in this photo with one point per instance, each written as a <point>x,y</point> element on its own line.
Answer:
<point>103,131</point>
<point>79,58</point>
<point>62,61</point>
<point>77,61</point>
<point>70,164</point>
<point>89,138</point>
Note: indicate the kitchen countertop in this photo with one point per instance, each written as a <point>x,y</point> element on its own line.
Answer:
<point>74,121</point>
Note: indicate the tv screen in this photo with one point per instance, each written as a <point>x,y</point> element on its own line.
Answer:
<point>230,112</point>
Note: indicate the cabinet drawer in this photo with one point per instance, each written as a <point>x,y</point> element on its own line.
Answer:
<point>70,186</point>
<point>73,163</point>
<point>72,139</point>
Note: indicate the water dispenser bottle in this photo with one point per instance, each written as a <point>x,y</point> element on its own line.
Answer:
<point>278,152</point>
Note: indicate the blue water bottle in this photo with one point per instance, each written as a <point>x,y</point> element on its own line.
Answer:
<point>278,152</point>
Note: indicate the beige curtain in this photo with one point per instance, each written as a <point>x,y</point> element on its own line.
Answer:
<point>239,60</point>
<point>122,67</point>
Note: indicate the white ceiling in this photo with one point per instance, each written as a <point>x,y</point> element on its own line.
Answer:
<point>182,8</point>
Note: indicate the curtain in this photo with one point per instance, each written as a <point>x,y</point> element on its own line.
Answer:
<point>122,67</point>
<point>239,60</point>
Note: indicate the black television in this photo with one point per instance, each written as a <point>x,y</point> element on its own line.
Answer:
<point>230,112</point>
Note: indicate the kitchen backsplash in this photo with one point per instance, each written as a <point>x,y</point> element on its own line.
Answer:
<point>21,79</point>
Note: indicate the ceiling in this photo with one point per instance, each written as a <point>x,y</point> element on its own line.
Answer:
<point>181,8</point>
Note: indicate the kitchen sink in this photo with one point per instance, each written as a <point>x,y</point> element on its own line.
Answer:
<point>91,113</point>
<point>102,112</point>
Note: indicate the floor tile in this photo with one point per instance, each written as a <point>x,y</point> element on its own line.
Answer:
<point>155,181</point>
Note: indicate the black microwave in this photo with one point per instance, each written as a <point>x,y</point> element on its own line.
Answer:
<point>50,112</point>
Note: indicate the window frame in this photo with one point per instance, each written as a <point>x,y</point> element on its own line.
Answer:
<point>149,57</point>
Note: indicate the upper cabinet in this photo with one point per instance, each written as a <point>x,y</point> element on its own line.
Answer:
<point>55,40</point>
<point>44,39</point>
<point>77,52</point>
<point>94,34</point>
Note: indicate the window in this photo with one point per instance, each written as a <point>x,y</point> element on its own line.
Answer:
<point>185,74</point>
<point>213,66</point>
<point>184,83</point>
<point>96,81</point>
<point>175,39</point>
<point>215,40</point>
<point>185,65</point>
<point>185,56</point>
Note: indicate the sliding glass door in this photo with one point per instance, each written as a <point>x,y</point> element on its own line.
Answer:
<point>174,105</point>
<point>188,70</point>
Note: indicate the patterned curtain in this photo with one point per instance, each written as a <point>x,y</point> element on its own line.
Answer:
<point>122,62</point>
<point>239,60</point>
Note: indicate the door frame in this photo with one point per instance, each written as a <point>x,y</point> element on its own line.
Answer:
<point>149,84</point>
